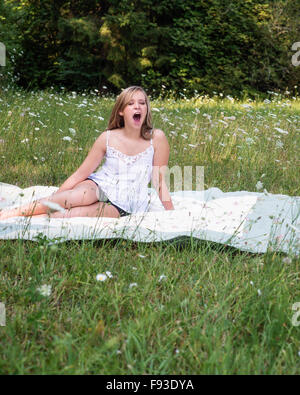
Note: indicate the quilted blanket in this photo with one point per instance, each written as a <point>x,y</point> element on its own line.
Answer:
<point>250,221</point>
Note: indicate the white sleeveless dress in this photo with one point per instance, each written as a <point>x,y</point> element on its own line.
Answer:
<point>124,178</point>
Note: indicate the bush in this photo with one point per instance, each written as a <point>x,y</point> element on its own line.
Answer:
<point>10,37</point>
<point>177,45</point>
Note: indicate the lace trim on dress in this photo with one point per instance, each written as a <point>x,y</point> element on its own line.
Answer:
<point>129,159</point>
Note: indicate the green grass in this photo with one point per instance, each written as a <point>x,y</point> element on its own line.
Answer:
<point>216,310</point>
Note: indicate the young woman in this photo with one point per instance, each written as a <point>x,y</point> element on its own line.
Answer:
<point>133,152</point>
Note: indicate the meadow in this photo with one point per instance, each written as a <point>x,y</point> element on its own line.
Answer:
<point>178,307</point>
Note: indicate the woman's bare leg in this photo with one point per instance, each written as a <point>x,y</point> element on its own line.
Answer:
<point>98,209</point>
<point>83,194</point>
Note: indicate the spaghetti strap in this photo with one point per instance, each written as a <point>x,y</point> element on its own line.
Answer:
<point>107,136</point>
<point>151,137</point>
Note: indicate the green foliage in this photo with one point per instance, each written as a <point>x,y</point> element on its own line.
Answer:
<point>10,37</point>
<point>203,46</point>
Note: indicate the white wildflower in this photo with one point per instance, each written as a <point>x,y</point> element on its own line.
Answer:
<point>132,285</point>
<point>162,277</point>
<point>109,274</point>
<point>67,138</point>
<point>282,131</point>
<point>287,260</point>
<point>72,131</point>
<point>279,144</point>
<point>231,118</point>
<point>249,140</point>
<point>259,185</point>
<point>259,292</point>
<point>101,277</point>
<point>225,123</point>
<point>45,290</point>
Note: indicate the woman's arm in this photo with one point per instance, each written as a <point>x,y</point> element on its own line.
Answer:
<point>91,162</point>
<point>160,164</point>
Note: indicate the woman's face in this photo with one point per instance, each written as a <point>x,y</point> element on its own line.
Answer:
<point>135,111</point>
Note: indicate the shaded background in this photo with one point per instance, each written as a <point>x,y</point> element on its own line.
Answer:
<point>180,46</point>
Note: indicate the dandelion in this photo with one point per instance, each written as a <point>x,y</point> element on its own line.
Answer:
<point>45,290</point>
<point>101,277</point>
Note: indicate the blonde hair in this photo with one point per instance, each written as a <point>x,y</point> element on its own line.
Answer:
<point>117,121</point>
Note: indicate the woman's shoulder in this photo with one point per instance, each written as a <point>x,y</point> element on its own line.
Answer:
<point>160,141</point>
<point>158,134</point>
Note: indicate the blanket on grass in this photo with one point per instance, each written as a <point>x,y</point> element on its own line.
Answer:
<point>249,221</point>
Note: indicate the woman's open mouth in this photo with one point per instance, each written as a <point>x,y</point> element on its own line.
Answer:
<point>137,117</point>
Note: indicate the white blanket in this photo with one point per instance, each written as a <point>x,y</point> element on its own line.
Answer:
<point>249,221</point>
